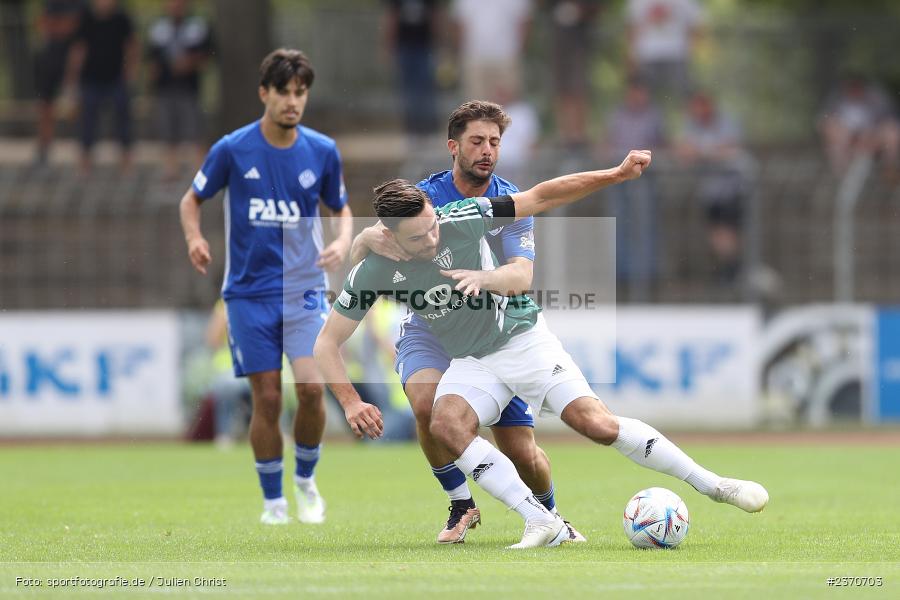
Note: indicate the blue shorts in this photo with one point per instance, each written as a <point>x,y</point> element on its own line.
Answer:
<point>261,331</point>
<point>418,350</point>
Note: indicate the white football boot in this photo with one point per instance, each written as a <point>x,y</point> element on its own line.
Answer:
<point>543,534</point>
<point>310,504</point>
<point>746,495</point>
<point>275,512</point>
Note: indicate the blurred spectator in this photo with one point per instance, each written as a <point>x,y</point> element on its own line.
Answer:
<point>492,37</point>
<point>179,48</point>
<point>711,143</point>
<point>104,58</point>
<point>572,21</point>
<point>409,34</point>
<point>859,119</point>
<point>14,34</point>
<point>661,36</point>
<point>57,24</point>
<point>636,123</point>
<point>230,395</point>
<point>520,139</point>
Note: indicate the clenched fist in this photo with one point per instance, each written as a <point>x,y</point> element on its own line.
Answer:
<point>634,164</point>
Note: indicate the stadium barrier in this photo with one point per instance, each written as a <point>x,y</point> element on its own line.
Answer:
<point>675,366</point>
<point>123,373</point>
<point>92,374</point>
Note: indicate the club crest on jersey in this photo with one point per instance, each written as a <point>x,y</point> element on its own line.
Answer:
<point>307,179</point>
<point>274,213</point>
<point>444,259</point>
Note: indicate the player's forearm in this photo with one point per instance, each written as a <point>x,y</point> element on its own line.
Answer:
<point>328,357</point>
<point>511,279</point>
<point>189,211</point>
<point>567,189</point>
<point>342,224</point>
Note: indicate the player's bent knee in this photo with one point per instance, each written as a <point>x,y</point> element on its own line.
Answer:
<point>421,400</point>
<point>267,407</point>
<point>422,407</point>
<point>310,393</point>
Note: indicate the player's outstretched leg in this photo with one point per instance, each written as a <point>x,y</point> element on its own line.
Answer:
<point>454,424</point>
<point>309,426</point>
<point>265,438</point>
<point>464,515</point>
<point>649,448</point>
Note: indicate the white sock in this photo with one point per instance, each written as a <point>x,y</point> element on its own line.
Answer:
<point>274,503</point>
<point>531,509</point>
<point>305,483</point>
<point>460,492</point>
<point>494,472</point>
<point>649,448</point>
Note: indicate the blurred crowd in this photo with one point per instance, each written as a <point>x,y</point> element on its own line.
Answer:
<point>91,51</point>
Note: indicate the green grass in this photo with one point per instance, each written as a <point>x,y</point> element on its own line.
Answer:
<point>180,511</point>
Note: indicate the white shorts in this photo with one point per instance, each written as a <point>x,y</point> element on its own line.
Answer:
<point>532,365</point>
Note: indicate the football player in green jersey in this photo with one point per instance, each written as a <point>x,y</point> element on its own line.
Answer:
<point>500,345</point>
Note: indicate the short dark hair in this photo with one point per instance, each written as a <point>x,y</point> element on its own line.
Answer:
<point>396,200</point>
<point>476,110</point>
<point>284,65</point>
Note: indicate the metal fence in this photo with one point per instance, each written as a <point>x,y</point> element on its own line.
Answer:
<point>114,240</point>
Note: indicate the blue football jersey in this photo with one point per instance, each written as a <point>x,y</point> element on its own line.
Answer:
<point>506,242</point>
<point>272,223</point>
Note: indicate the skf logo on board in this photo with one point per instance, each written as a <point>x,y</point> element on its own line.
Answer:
<point>274,213</point>
<point>66,373</point>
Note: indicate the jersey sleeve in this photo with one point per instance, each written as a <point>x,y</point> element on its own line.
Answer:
<point>359,293</point>
<point>518,239</point>
<point>334,192</point>
<point>473,217</point>
<point>213,175</point>
<point>468,217</point>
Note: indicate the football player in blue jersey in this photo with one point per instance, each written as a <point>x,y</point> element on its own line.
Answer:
<point>474,133</point>
<point>275,172</point>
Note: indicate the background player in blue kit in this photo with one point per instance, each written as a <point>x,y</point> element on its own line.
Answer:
<point>276,171</point>
<point>474,133</point>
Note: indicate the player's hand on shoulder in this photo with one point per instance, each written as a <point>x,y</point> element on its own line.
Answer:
<point>198,252</point>
<point>634,164</point>
<point>380,241</point>
<point>364,419</point>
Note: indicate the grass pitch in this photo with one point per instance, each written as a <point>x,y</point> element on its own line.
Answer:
<point>183,518</point>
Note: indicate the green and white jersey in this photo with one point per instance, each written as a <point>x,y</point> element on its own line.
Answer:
<point>466,326</point>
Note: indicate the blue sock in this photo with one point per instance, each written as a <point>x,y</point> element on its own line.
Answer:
<point>270,474</point>
<point>449,475</point>
<point>548,500</point>
<point>307,457</point>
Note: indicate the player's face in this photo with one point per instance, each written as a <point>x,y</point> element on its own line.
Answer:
<point>285,107</point>
<point>477,151</point>
<point>419,236</point>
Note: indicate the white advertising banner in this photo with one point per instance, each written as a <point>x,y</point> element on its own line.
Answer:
<point>687,367</point>
<point>80,373</point>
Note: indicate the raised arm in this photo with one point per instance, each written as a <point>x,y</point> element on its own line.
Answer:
<point>363,418</point>
<point>567,189</point>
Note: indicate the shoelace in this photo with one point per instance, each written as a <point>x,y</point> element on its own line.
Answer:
<point>456,513</point>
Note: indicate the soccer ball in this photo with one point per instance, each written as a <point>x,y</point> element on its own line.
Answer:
<point>656,518</point>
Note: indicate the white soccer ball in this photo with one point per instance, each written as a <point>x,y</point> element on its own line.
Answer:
<point>656,518</point>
